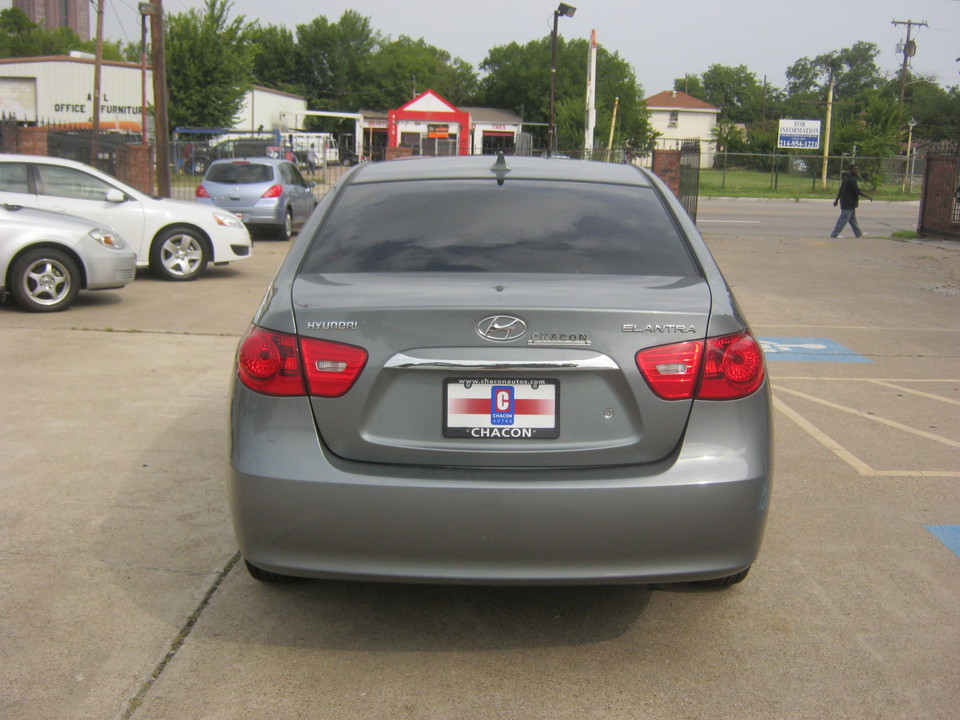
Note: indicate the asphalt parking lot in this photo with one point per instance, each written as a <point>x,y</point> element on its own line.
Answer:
<point>121,596</point>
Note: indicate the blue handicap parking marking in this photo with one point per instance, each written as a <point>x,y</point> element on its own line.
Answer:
<point>808,350</point>
<point>949,535</point>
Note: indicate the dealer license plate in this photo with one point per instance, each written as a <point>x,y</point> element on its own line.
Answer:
<point>501,408</point>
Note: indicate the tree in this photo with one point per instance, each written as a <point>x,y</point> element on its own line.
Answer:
<point>405,66</point>
<point>853,70</point>
<point>276,58</point>
<point>735,90</point>
<point>936,109</point>
<point>518,77</point>
<point>209,59</point>
<point>877,132</point>
<point>337,60</point>
<point>20,37</point>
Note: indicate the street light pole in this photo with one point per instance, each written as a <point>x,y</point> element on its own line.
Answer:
<point>910,124</point>
<point>566,11</point>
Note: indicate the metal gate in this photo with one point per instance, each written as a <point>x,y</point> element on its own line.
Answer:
<point>690,176</point>
<point>940,201</point>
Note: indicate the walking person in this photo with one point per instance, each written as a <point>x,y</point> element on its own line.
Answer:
<point>848,197</point>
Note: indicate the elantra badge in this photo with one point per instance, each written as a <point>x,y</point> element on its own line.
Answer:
<point>501,328</point>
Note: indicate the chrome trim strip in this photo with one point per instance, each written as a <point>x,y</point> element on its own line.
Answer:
<point>407,362</point>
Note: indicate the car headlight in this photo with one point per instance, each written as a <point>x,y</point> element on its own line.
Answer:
<point>227,220</point>
<point>108,238</point>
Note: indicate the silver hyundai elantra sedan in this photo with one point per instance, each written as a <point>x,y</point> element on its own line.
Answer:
<point>500,371</point>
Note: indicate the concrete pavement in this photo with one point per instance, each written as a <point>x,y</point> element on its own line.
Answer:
<point>121,598</point>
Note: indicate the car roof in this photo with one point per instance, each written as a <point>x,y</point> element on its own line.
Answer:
<point>482,167</point>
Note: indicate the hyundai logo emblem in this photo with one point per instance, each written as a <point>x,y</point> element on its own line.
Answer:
<point>501,328</point>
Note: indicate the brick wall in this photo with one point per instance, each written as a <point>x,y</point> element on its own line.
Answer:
<point>135,168</point>
<point>665,164</point>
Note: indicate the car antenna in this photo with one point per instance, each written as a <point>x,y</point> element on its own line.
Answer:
<point>500,168</point>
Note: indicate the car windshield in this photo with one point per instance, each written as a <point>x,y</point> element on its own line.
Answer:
<point>523,226</point>
<point>241,173</point>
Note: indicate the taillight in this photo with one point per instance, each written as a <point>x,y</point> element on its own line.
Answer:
<point>331,368</point>
<point>274,191</point>
<point>724,368</point>
<point>732,367</point>
<point>202,192</point>
<point>273,363</point>
<point>671,370</point>
<point>269,362</point>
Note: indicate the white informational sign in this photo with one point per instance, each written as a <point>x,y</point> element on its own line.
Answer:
<point>799,134</point>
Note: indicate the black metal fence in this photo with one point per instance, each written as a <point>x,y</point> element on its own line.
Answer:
<point>99,149</point>
<point>940,201</point>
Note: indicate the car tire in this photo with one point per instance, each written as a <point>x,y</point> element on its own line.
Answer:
<point>286,230</point>
<point>45,280</point>
<point>345,162</point>
<point>200,166</point>
<point>179,254</point>
<point>725,582</point>
<point>265,575</point>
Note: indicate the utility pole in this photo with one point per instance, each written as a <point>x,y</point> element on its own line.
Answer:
<point>97,72</point>
<point>161,130</point>
<point>826,135</point>
<point>909,50</point>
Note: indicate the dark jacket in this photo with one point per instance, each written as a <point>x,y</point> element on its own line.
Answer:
<point>850,192</point>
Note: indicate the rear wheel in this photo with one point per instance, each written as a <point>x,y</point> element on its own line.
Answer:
<point>45,280</point>
<point>265,575</point>
<point>179,254</point>
<point>286,230</point>
<point>725,581</point>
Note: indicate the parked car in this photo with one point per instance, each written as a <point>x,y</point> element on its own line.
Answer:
<point>523,373</point>
<point>265,193</point>
<point>46,258</point>
<point>176,239</point>
<point>202,156</point>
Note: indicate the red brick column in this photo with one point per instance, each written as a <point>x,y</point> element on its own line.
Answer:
<point>135,168</point>
<point>666,166</point>
<point>31,141</point>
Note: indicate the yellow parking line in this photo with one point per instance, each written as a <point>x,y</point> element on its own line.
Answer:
<point>848,457</point>
<point>873,418</point>
<point>828,442</point>
<point>914,392</point>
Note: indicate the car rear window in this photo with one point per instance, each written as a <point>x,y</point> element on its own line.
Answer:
<point>521,226</point>
<point>240,173</point>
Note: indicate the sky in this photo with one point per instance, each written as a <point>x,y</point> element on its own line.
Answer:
<point>660,40</point>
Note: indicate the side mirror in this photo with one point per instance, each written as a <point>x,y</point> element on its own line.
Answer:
<point>115,196</point>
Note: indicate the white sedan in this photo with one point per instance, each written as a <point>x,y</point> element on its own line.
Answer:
<point>176,239</point>
<point>47,258</point>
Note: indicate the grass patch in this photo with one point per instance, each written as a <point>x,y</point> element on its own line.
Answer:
<point>753,184</point>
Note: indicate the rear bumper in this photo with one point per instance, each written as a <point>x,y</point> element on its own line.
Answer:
<point>299,511</point>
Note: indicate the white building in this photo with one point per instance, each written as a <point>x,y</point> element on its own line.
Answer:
<point>266,110</point>
<point>59,90</point>
<point>677,116</point>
